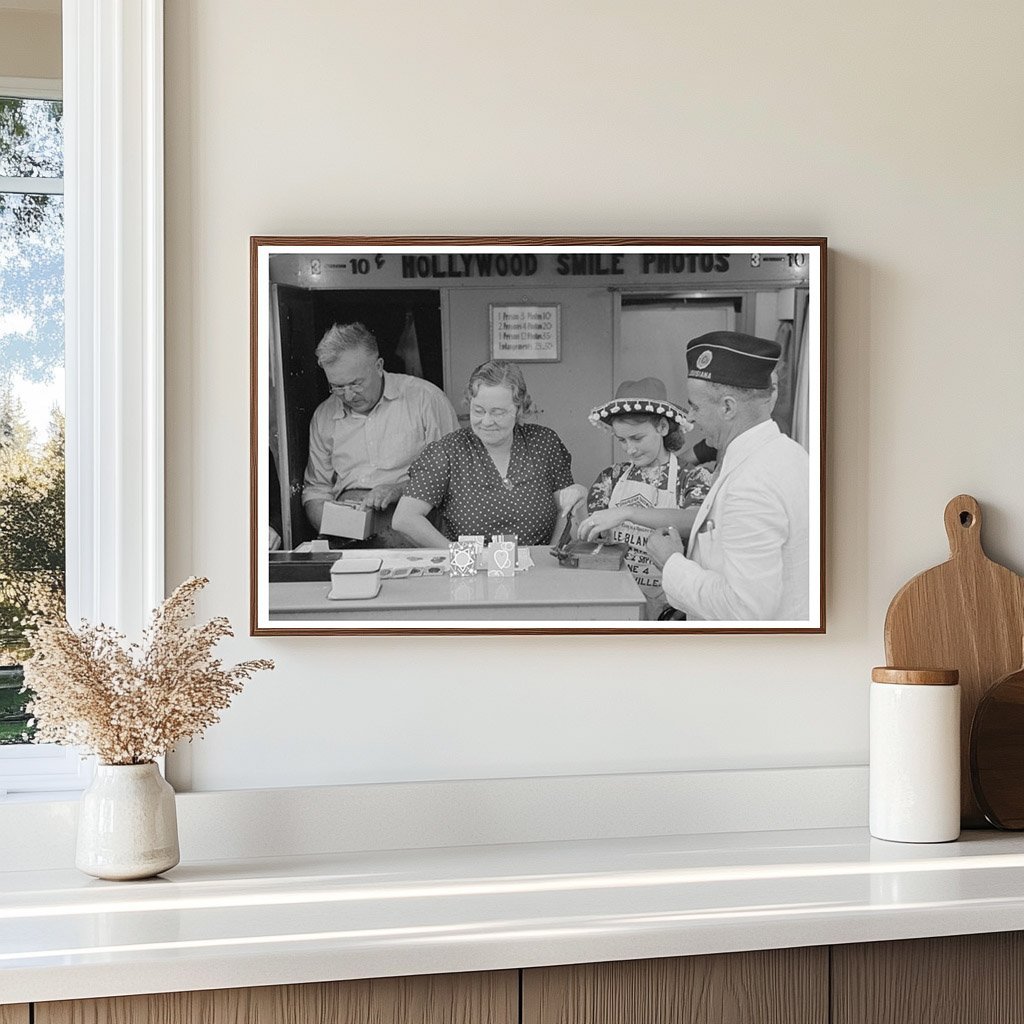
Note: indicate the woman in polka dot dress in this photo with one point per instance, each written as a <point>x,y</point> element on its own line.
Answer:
<point>499,475</point>
<point>651,489</point>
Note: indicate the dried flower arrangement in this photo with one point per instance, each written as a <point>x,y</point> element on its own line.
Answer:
<point>129,704</point>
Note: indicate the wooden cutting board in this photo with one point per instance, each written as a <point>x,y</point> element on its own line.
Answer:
<point>967,614</point>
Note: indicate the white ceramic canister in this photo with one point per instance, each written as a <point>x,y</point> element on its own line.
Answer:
<point>915,755</point>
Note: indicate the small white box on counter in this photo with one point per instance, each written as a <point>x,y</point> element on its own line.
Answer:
<point>347,519</point>
<point>355,578</point>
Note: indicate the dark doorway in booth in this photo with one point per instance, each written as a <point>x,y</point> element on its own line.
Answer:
<point>407,325</point>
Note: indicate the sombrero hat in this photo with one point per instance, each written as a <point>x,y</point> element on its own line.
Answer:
<point>638,397</point>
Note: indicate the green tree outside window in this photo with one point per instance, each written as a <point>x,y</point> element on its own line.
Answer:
<point>32,542</point>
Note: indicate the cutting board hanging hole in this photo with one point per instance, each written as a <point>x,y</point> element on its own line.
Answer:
<point>963,526</point>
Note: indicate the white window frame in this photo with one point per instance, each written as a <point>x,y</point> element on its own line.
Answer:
<point>31,89</point>
<point>114,336</point>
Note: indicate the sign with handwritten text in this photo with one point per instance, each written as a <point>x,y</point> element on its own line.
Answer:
<point>525,334</point>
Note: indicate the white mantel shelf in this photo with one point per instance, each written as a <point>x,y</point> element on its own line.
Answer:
<point>224,924</point>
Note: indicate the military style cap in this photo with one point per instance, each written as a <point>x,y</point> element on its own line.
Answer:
<point>727,357</point>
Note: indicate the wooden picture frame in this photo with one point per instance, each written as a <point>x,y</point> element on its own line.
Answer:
<point>627,308</point>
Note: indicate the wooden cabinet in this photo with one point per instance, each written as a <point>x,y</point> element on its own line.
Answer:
<point>967,979</point>
<point>777,986</point>
<point>963,979</point>
<point>491,998</point>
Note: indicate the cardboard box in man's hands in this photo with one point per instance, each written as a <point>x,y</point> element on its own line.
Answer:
<point>348,519</point>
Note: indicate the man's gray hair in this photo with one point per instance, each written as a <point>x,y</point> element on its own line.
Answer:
<point>343,338</point>
<point>743,394</point>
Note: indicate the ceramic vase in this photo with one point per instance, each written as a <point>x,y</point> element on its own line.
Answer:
<point>127,825</point>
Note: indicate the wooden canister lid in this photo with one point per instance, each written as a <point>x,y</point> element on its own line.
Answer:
<point>916,676</point>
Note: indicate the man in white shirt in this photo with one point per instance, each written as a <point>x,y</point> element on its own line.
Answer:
<point>748,554</point>
<point>366,434</point>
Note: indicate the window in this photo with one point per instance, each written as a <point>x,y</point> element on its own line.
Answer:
<point>113,336</point>
<point>32,536</point>
<point>31,378</point>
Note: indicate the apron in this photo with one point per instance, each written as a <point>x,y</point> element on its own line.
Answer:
<point>640,494</point>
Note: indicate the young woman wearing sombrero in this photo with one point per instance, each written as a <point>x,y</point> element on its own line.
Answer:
<point>651,489</point>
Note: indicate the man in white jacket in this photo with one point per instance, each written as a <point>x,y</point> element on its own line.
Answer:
<point>748,552</point>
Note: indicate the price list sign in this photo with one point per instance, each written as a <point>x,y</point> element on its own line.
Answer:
<point>525,334</point>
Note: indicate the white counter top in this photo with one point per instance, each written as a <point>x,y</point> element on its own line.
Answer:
<point>226,924</point>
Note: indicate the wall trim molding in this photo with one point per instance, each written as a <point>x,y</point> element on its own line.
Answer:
<point>252,823</point>
<point>114,308</point>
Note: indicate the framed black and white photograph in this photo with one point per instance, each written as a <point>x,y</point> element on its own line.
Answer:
<point>537,435</point>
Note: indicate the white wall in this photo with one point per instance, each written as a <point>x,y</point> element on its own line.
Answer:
<point>894,129</point>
